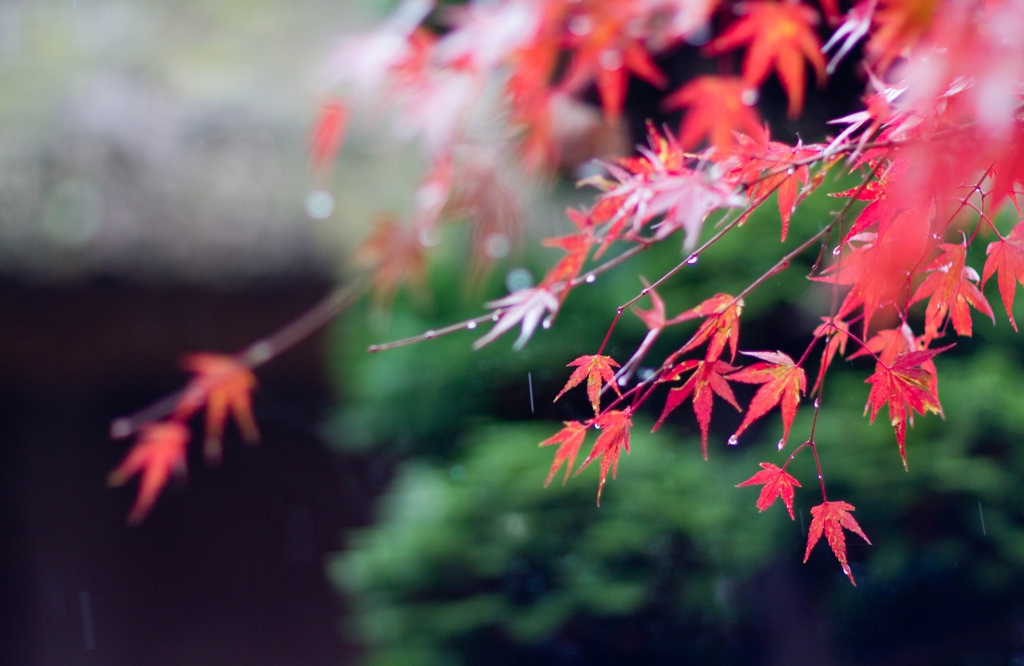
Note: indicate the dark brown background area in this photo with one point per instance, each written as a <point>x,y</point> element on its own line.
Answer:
<point>228,569</point>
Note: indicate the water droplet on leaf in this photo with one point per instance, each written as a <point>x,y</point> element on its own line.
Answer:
<point>817,403</point>
<point>546,324</point>
<point>692,259</point>
<point>835,252</point>
<point>734,440</point>
<point>610,59</point>
<point>782,443</point>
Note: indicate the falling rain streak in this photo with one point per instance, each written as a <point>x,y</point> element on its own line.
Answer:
<point>529,383</point>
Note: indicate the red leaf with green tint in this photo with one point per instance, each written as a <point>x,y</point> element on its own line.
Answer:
<point>614,438</point>
<point>596,369</point>
<point>569,440</point>
<point>777,484</point>
<point>829,518</point>
<point>783,383</point>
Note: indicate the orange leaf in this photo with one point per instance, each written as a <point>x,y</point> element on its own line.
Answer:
<point>717,108</point>
<point>569,440</point>
<point>952,288</point>
<point>906,386</point>
<point>596,369</point>
<point>159,452</point>
<point>777,483</point>
<point>1006,257</point>
<point>706,380</point>
<point>783,381</point>
<point>614,438</point>
<point>778,35</point>
<point>222,383</point>
<point>830,518</point>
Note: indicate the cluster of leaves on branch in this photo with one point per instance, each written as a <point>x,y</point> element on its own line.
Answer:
<point>494,88</point>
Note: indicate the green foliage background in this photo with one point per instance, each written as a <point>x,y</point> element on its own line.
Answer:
<point>472,560</point>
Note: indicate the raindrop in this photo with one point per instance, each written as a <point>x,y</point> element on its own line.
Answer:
<point>623,381</point>
<point>457,471</point>
<point>835,252</point>
<point>319,204</point>
<point>260,352</point>
<point>429,237</point>
<point>734,440</point>
<point>120,428</point>
<point>429,334</point>
<point>518,278</point>
<point>782,443</point>
<point>817,403</point>
<point>495,317</point>
<point>790,171</point>
<point>692,259</point>
<point>496,246</point>
<point>610,59</point>
<point>579,25</point>
<point>749,97</point>
<point>645,373</point>
<point>597,426</point>
<point>846,569</point>
<point>470,325</point>
<point>590,278</point>
<point>546,324</point>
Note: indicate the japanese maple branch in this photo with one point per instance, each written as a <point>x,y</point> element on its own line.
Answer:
<point>256,354</point>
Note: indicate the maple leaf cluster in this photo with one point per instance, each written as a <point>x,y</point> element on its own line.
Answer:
<point>938,150</point>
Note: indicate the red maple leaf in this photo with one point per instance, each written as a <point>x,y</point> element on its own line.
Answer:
<point>607,51</point>
<point>783,382</point>
<point>159,452</point>
<point>222,383</point>
<point>838,334</point>
<point>1006,257</point>
<point>777,484</point>
<point>614,438</point>
<point>722,325</point>
<point>880,268</point>
<point>830,518</point>
<point>394,256</point>
<point>952,288</point>
<point>779,35</point>
<point>569,440</point>
<point>595,369</point>
<point>328,132</point>
<point>717,108</point>
<point>706,380</point>
<point>767,173</point>
<point>906,387</point>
